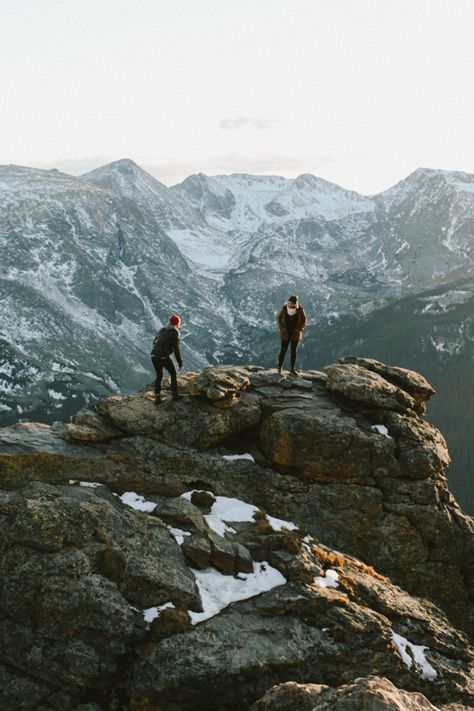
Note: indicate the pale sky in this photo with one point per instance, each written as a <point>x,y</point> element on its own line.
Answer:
<point>359,92</point>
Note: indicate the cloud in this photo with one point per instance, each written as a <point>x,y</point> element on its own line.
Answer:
<point>241,121</point>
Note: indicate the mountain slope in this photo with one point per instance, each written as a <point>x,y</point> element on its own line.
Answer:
<point>86,278</point>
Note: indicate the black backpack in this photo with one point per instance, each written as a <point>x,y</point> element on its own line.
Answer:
<point>164,342</point>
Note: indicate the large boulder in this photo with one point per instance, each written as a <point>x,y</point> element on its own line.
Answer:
<point>369,693</point>
<point>76,565</point>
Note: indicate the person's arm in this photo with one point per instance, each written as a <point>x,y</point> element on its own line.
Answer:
<point>177,351</point>
<point>282,324</point>
<point>300,323</point>
<point>281,319</point>
<point>304,319</point>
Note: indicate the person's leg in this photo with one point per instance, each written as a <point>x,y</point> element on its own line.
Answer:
<point>281,357</point>
<point>169,365</point>
<point>294,348</point>
<point>158,365</point>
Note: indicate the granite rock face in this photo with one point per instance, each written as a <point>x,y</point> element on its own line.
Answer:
<point>320,501</point>
<point>374,693</point>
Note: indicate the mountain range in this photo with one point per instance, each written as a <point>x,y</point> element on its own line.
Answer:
<point>91,266</point>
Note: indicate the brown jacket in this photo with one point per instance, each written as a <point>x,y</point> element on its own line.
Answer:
<point>300,324</point>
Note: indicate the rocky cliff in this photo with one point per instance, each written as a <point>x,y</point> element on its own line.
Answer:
<point>266,541</point>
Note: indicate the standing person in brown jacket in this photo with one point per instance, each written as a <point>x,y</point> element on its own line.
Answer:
<point>291,322</point>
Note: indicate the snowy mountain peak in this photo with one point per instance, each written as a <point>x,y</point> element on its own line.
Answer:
<point>427,184</point>
<point>307,180</point>
<point>245,202</point>
<point>207,195</point>
<point>122,173</point>
<point>127,179</point>
<point>123,164</point>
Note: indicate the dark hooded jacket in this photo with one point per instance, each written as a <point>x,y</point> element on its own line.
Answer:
<point>291,327</point>
<point>167,342</point>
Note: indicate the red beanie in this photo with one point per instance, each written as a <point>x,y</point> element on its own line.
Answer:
<point>175,320</point>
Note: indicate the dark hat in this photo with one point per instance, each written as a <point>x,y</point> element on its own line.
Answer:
<point>175,320</point>
<point>293,299</point>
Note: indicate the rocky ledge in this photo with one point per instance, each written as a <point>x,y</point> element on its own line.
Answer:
<point>264,542</point>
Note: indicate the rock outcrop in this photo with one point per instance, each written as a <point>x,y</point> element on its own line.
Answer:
<point>317,505</point>
<point>373,693</point>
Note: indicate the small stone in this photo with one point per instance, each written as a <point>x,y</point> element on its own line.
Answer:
<point>111,564</point>
<point>198,551</point>
<point>170,622</point>
<point>243,559</point>
<point>222,554</point>
<point>203,500</point>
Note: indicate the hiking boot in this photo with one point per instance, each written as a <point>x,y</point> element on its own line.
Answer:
<point>175,396</point>
<point>293,371</point>
<point>159,399</point>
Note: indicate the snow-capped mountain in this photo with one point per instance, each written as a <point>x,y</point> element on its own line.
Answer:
<point>426,222</point>
<point>343,252</point>
<point>240,206</point>
<point>245,202</point>
<point>175,214</point>
<point>127,179</point>
<point>86,277</point>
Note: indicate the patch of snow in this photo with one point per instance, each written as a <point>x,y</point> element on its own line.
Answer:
<point>130,498</point>
<point>178,534</point>
<point>228,510</point>
<point>54,395</point>
<point>439,345</point>
<point>381,429</point>
<point>88,484</point>
<point>442,303</point>
<point>7,388</point>
<point>278,524</point>
<point>460,185</point>
<point>218,591</point>
<point>329,580</point>
<point>234,457</point>
<point>151,613</point>
<point>404,246</point>
<point>422,665</point>
<point>212,249</point>
<point>6,369</point>
<point>59,368</point>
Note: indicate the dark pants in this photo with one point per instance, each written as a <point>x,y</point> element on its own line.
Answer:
<point>160,363</point>
<point>284,348</point>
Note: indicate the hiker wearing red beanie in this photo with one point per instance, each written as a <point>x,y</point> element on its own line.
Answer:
<point>167,342</point>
